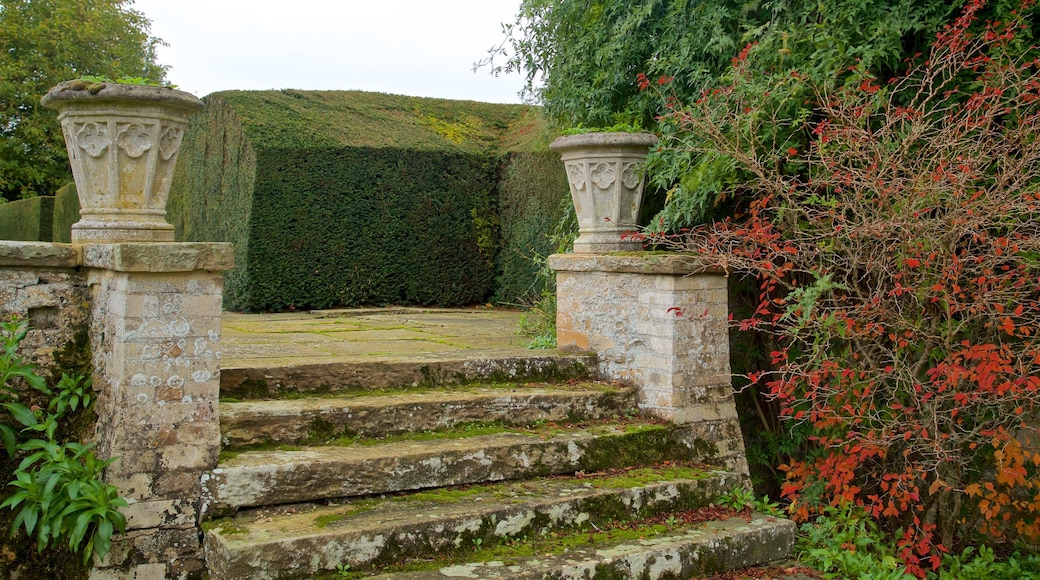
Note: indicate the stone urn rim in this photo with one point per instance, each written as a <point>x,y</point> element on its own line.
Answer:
<point>641,139</point>
<point>75,91</point>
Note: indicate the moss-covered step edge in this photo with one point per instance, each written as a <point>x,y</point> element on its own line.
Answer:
<point>319,419</point>
<point>377,532</point>
<point>696,551</point>
<point>277,477</point>
<point>293,380</point>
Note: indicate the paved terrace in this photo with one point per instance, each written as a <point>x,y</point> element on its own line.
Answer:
<point>368,334</point>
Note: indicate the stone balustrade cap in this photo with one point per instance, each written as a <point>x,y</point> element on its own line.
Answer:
<point>85,91</point>
<point>160,256</point>
<point>43,254</point>
<point>606,139</point>
<point>636,263</point>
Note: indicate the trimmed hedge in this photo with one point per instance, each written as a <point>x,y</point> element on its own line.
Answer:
<point>530,189</point>
<point>344,198</point>
<point>27,220</point>
<point>66,213</point>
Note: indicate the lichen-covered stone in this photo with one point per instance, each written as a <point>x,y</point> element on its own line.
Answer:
<point>379,532</point>
<point>697,552</point>
<point>314,419</point>
<point>260,478</point>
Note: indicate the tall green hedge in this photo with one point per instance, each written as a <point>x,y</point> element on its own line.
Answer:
<point>27,220</point>
<point>66,213</point>
<point>530,189</point>
<point>344,198</point>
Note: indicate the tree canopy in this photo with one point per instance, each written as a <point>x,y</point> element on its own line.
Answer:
<point>598,63</point>
<point>581,57</point>
<point>48,41</point>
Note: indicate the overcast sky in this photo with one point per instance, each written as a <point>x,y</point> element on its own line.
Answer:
<point>422,48</point>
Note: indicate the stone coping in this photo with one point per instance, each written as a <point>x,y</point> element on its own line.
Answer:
<point>160,256</point>
<point>39,254</point>
<point>125,257</point>
<point>635,263</point>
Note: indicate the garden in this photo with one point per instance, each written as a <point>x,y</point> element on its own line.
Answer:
<point>865,172</point>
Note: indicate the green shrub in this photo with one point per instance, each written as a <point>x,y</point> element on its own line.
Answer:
<point>58,493</point>
<point>27,220</point>
<point>531,189</point>
<point>66,213</point>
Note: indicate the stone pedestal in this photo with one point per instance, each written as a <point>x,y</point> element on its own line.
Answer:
<point>155,336</point>
<point>659,322</point>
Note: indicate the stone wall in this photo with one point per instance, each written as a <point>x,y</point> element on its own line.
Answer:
<point>44,284</point>
<point>659,322</point>
<point>150,313</point>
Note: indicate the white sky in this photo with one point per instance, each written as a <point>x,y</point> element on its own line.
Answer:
<point>423,48</point>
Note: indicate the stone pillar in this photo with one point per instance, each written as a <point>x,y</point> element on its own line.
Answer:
<point>659,322</point>
<point>155,336</point>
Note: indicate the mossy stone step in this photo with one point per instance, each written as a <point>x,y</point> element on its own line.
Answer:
<point>697,551</point>
<point>416,410</point>
<point>376,532</point>
<point>266,478</point>
<point>274,382</point>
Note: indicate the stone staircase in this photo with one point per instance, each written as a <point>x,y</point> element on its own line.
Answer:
<point>507,467</point>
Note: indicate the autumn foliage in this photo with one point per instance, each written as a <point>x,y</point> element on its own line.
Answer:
<point>895,231</point>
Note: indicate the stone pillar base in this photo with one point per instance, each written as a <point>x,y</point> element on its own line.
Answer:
<point>659,322</point>
<point>88,231</point>
<point>155,337</point>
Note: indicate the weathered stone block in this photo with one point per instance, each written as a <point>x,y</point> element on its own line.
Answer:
<point>659,322</point>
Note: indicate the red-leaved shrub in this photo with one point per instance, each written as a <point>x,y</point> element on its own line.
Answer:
<point>899,260</point>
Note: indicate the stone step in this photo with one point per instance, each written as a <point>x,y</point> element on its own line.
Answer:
<point>305,540</point>
<point>317,419</point>
<point>417,370</point>
<point>697,551</point>
<point>267,478</point>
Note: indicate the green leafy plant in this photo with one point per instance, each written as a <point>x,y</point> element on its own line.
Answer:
<point>739,498</point>
<point>59,494</point>
<point>845,542</point>
<point>621,127</point>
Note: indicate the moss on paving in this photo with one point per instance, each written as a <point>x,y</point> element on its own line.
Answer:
<point>516,549</point>
<point>249,388</point>
<point>626,478</point>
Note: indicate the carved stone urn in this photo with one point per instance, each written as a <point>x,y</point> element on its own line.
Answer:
<point>123,142</point>
<point>605,171</point>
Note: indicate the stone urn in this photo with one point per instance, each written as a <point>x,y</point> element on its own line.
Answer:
<point>123,142</point>
<point>605,171</point>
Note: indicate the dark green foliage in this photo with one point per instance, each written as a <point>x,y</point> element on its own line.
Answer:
<point>366,225</point>
<point>211,195</point>
<point>582,58</point>
<point>343,198</point>
<point>27,220</point>
<point>58,503</point>
<point>530,190</point>
<point>66,213</point>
